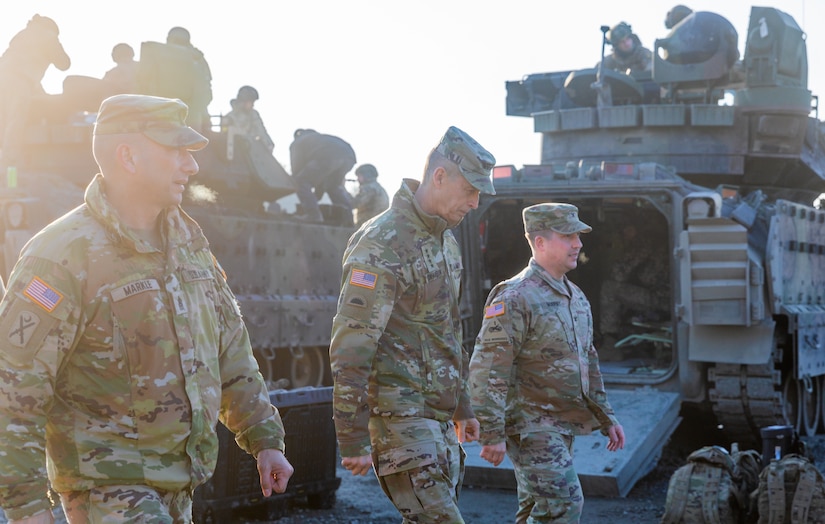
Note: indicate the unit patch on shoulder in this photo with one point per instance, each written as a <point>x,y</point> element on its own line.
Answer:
<point>493,332</point>
<point>43,294</point>
<point>356,300</point>
<point>23,328</point>
<point>363,278</point>
<point>494,310</point>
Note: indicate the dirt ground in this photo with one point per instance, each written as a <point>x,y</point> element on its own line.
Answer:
<point>360,500</point>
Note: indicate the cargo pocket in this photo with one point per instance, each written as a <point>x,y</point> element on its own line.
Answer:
<point>395,466</point>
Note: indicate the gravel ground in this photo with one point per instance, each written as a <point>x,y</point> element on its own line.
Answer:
<point>359,500</point>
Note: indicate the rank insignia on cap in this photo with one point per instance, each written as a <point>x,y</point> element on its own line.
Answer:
<point>42,294</point>
<point>494,310</point>
<point>363,278</point>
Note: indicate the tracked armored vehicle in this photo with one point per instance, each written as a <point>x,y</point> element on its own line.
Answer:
<point>285,272</point>
<point>706,265</point>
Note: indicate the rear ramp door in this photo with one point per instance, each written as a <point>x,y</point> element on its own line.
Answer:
<point>648,417</point>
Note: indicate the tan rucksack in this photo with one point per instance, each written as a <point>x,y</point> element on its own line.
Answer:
<point>706,490</point>
<point>791,491</point>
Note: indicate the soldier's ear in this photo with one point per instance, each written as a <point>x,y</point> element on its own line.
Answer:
<point>439,176</point>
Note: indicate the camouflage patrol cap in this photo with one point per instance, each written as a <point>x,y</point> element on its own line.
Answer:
<point>163,120</point>
<point>555,216</point>
<point>475,162</point>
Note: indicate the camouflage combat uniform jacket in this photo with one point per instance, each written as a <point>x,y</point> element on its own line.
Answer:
<point>534,367</point>
<point>370,200</point>
<point>249,124</point>
<point>396,338</point>
<point>124,356</point>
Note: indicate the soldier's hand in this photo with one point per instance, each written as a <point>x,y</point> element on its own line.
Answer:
<point>616,436</point>
<point>358,465</point>
<point>274,470</point>
<point>467,430</point>
<point>493,453</point>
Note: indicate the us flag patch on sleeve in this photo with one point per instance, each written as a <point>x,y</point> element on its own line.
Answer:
<point>363,278</point>
<point>494,310</point>
<point>42,294</point>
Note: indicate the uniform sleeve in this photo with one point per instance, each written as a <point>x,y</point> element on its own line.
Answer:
<point>369,286</point>
<point>246,409</point>
<point>39,319</point>
<point>598,395</point>
<point>59,57</point>
<point>496,349</point>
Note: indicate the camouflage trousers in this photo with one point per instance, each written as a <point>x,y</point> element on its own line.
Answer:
<point>420,467</point>
<point>548,487</point>
<point>127,503</point>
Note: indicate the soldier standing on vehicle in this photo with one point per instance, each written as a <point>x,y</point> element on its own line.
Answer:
<point>371,199</point>
<point>629,55</point>
<point>400,398</point>
<point>124,344</point>
<point>245,121</point>
<point>534,375</point>
<point>22,67</point>
<point>122,78</point>
<point>320,164</point>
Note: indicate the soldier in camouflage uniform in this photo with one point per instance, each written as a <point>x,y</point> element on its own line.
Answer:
<point>245,120</point>
<point>534,375</point>
<point>371,198</point>
<point>400,400</point>
<point>629,55</point>
<point>124,344</point>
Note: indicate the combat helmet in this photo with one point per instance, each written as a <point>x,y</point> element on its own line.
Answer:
<point>618,33</point>
<point>247,94</point>
<point>367,171</point>
<point>676,15</point>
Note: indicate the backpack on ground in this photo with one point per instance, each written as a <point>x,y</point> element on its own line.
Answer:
<point>706,490</point>
<point>791,491</point>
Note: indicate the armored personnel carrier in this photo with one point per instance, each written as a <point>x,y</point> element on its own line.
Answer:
<point>706,265</point>
<point>285,272</point>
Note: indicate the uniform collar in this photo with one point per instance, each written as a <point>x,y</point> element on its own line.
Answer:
<point>177,227</point>
<point>405,200</point>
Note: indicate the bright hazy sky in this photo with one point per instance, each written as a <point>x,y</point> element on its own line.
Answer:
<point>388,76</point>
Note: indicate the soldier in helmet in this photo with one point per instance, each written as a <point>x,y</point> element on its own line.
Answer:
<point>629,55</point>
<point>24,63</point>
<point>676,15</point>
<point>123,77</point>
<point>371,198</point>
<point>244,120</point>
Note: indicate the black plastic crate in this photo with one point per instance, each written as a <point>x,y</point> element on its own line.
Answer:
<point>235,490</point>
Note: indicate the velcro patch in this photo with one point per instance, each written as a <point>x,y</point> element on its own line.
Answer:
<point>43,294</point>
<point>133,288</point>
<point>363,278</point>
<point>26,328</point>
<point>356,300</point>
<point>23,328</point>
<point>493,332</point>
<point>494,310</point>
